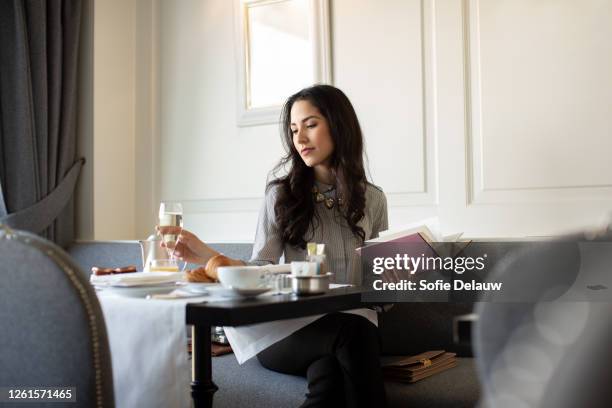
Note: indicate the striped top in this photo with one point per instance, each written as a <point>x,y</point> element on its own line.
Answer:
<point>332,230</point>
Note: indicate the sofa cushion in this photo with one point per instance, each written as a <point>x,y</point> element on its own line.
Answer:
<point>254,386</point>
<point>123,253</point>
<point>110,254</point>
<point>241,251</point>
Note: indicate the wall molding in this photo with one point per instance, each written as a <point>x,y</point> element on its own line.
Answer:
<point>429,193</point>
<point>477,192</point>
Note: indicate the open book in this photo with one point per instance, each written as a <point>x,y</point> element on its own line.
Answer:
<point>424,231</point>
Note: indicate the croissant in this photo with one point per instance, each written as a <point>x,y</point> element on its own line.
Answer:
<point>198,275</point>
<point>209,272</point>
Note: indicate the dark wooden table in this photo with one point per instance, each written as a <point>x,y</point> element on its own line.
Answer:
<point>238,312</point>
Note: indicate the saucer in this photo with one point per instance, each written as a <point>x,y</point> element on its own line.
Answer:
<point>250,292</point>
<point>199,287</point>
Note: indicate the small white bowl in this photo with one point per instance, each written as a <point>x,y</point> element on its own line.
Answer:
<point>243,277</point>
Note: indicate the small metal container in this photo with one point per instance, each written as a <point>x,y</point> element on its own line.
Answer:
<point>310,284</point>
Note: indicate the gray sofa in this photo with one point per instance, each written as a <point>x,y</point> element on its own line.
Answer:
<point>405,329</point>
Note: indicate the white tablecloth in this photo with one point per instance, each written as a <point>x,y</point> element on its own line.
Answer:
<point>148,343</point>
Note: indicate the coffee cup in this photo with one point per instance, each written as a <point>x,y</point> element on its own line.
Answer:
<point>243,277</point>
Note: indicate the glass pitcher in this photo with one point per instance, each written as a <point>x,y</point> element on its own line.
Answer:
<point>155,257</point>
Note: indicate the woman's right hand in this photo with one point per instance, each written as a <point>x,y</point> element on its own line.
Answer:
<point>189,247</point>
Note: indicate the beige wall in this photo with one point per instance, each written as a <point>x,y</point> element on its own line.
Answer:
<point>493,115</point>
<point>113,163</point>
<point>116,193</point>
<point>146,118</point>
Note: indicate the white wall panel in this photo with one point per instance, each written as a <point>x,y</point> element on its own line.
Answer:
<point>378,61</point>
<point>204,154</point>
<point>541,111</point>
<point>517,157</point>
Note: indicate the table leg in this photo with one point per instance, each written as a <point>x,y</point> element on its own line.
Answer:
<point>202,386</point>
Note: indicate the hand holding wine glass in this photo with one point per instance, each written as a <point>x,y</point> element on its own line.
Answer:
<point>170,215</point>
<point>179,242</point>
<point>188,246</point>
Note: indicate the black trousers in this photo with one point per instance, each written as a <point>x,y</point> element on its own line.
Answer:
<point>339,354</point>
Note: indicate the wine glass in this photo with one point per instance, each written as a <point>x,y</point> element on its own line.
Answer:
<point>170,215</point>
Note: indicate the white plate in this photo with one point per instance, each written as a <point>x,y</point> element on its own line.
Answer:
<point>140,291</point>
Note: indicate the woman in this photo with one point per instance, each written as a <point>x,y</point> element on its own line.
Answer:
<point>323,198</point>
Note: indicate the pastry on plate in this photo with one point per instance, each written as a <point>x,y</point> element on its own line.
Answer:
<point>198,275</point>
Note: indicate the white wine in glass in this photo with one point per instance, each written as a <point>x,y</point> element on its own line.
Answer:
<point>170,215</point>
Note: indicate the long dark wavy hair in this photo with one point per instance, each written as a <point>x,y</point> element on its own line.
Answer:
<point>295,206</point>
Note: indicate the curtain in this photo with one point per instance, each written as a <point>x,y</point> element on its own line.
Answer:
<point>39,42</point>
